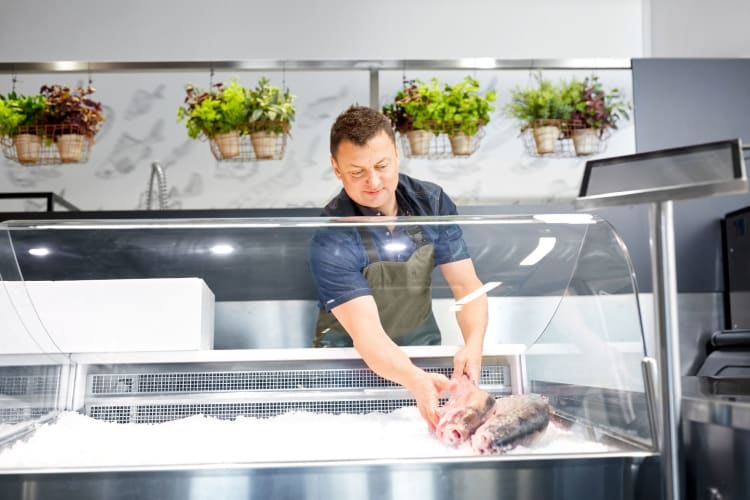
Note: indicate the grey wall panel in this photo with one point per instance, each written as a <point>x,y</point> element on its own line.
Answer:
<point>687,101</point>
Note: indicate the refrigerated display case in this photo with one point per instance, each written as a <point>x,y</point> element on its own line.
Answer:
<point>173,359</point>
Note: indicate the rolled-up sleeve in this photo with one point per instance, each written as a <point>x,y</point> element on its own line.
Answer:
<point>336,263</point>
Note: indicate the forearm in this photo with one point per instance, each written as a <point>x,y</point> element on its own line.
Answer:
<point>386,359</point>
<point>472,320</point>
<point>360,319</point>
<point>471,317</point>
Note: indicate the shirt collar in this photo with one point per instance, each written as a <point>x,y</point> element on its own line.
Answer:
<point>402,206</point>
<point>343,205</point>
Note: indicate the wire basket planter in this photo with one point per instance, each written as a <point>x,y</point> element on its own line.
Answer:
<point>430,145</point>
<point>262,141</point>
<point>47,145</point>
<point>563,139</point>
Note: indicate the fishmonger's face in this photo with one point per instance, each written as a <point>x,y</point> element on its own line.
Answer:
<point>369,173</point>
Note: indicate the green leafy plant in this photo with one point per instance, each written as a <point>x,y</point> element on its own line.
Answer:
<point>409,110</point>
<point>417,106</point>
<point>544,101</point>
<point>464,109</point>
<point>71,108</point>
<point>427,108</point>
<point>594,107</point>
<point>401,121</point>
<point>18,111</point>
<point>270,109</point>
<point>219,110</point>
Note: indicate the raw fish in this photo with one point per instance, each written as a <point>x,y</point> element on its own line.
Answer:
<point>514,420</point>
<point>466,409</point>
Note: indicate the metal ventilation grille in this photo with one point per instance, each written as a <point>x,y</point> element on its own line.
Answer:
<point>27,392</point>
<point>25,385</point>
<point>154,397</point>
<point>111,413</point>
<point>157,413</point>
<point>276,380</point>
<point>18,415</point>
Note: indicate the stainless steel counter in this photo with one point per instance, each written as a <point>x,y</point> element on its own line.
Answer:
<point>716,436</point>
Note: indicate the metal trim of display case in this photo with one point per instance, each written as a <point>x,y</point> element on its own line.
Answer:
<point>552,478</point>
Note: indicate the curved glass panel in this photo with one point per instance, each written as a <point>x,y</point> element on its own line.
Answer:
<point>168,319</point>
<point>31,371</point>
<point>257,274</point>
<point>588,359</point>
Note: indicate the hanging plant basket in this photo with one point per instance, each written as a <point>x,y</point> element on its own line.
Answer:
<point>228,145</point>
<point>47,145</point>
<point>563,139</point>
<point>436,146</point>
<point>261,141</point>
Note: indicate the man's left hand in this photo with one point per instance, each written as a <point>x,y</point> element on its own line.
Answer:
<point>468,361</point>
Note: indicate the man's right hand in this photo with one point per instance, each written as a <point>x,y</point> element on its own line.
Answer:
<point>426,389</point>
<point>360,318</point>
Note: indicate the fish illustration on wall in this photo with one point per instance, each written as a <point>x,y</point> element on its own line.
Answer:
<point>31,177</point>
<point>323,109</point>
<point>142,101</point>
<point>129,151</point>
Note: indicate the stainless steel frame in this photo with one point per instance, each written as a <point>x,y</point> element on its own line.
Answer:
<point>312,65</point>
<point>551,478</point>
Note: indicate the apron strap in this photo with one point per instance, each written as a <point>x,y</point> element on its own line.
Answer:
<point>414,233</point>
<point>372,253</point>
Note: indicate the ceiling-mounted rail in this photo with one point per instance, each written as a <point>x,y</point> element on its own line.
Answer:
<point>478,63</point>
<point>374,66</point>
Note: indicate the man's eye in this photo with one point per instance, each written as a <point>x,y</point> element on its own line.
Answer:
<point>381,167</point>
<point>357,174</point>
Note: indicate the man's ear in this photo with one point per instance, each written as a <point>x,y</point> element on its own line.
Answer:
<point>335,168</point>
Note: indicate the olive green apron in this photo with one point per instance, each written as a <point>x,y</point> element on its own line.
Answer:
<point>402,292</point>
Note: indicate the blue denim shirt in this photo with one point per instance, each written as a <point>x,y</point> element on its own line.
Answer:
<point>338,255</point>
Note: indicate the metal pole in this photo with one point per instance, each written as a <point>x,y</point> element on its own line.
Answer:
<point>374,88</point>
<point>664,278</point>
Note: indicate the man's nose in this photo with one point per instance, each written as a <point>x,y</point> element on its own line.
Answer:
<point>373,178</point>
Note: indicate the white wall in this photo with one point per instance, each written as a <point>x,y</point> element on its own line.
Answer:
<point>141,126</point>
<point>697,28</point>
<point>104,30</point>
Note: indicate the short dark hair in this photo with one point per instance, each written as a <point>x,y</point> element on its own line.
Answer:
<point>358,125</point>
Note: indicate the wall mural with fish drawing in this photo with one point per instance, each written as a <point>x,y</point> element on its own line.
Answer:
<point>141,127</point>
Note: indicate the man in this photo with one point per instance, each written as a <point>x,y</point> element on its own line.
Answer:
<point>374,282</point>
